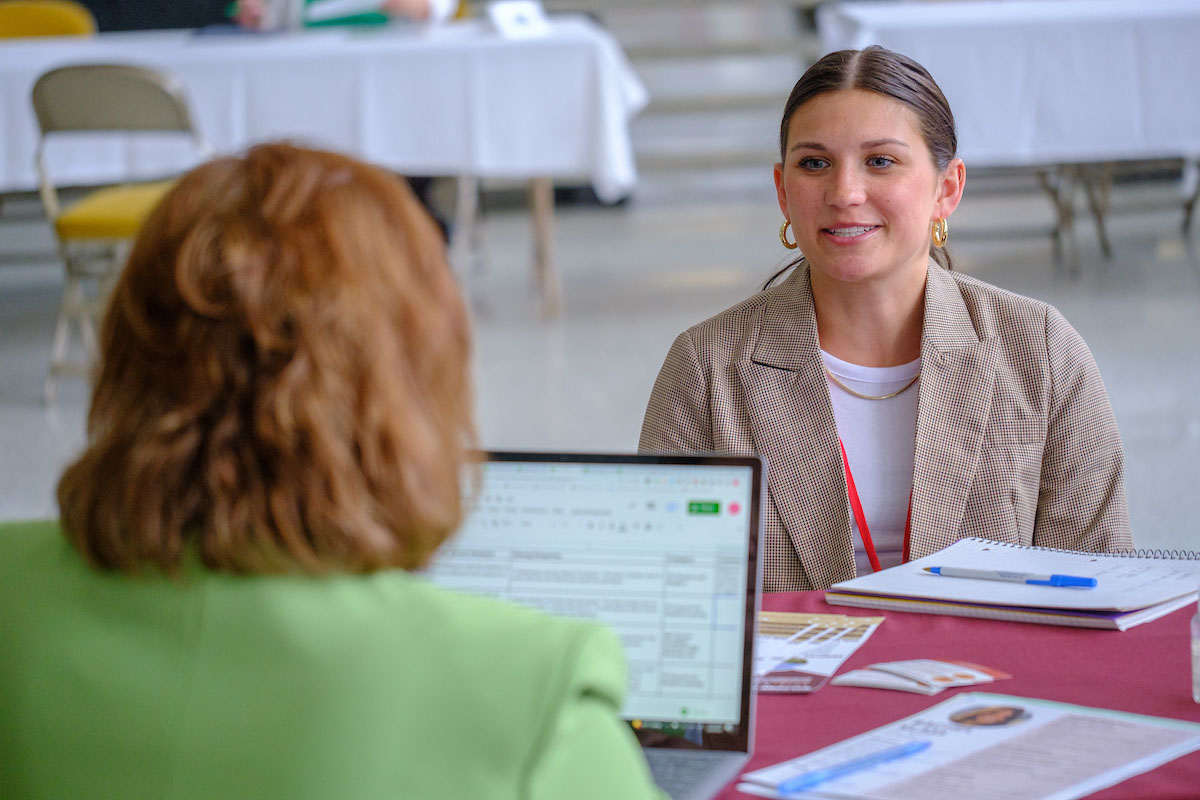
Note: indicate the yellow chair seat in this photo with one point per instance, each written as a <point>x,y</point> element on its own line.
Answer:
<point>45,18</point>
<point>113,213</point>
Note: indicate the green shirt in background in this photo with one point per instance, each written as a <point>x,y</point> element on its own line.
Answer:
<point>370,18</point>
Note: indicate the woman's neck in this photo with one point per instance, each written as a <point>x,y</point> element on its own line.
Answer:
<point>873,323</point>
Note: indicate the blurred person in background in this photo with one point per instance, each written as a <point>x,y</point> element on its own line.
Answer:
<point>136,15</point>
<point>298,13</point>
<point>899,405</point>
<point>278,438</point>
<point>272,14</point>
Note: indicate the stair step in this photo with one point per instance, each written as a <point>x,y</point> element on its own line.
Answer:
<point>716,103</point>
<point>807,50</point>
<point>691,78</point>
<point>593,6</point>
<point>705,160</point>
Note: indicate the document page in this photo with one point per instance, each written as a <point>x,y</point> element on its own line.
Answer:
<point>993,747</point>
<point>796,653</point>
<point>1123,582</point>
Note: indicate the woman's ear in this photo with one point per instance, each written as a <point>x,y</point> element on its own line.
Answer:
<point>780,193</point>
<point>950,189</point>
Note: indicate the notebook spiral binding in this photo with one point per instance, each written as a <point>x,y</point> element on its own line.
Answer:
<point>1144,552</point>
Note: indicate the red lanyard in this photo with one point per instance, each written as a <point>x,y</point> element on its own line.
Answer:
<point>861,519</point>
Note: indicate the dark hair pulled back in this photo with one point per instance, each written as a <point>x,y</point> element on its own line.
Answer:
<point>877,69</point>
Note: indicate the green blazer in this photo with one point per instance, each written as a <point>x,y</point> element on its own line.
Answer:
<point>222,686</point>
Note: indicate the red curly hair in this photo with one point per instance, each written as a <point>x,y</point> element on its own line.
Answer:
<point>283,382</point>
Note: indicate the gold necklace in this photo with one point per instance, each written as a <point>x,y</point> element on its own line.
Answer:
<point>848,390</point>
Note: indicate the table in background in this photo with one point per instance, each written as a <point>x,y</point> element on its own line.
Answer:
<point>1146,670</point>
<point>447,100</point>
<point>1067,87</point>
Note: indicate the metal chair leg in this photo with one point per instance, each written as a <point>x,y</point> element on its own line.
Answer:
<point>72,305</point>
<point>541,200</point>
<point>1097,184</point>
<point>1060,187</point>
<point>1189,206</point>
<point>79,309</point>
<point>464,238</point>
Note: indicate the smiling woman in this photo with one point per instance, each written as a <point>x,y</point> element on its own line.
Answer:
<point>964,410</point>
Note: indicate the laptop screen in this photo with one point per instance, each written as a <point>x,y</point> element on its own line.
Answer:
<point>663,549</point>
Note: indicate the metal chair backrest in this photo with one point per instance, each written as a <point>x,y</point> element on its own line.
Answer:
<point>107,98</point>
<point>110,97</point>
<point>20,18</point>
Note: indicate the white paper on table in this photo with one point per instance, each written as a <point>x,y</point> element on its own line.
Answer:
<point>1038,749</point>
<point>920,675</point>
<point>940,673</point>
<point>1124,582</point>
<point>770,651</point>
<point>519,19</point>
<point>802,661</point>
<point>877,679</point>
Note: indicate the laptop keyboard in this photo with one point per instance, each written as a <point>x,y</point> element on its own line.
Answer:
<point>680,771</point>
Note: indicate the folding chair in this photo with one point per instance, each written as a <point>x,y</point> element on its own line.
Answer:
<point>95,231</point>
<point>19,18</point>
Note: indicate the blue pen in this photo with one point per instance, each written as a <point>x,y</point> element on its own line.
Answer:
<point>1014,577</point>
<point>808,780</point>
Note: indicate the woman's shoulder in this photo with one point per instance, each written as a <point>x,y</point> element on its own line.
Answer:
<point>999,312</point>
<point>28,547</point>
<point>1024,328</point>
<point>735,322</point>
<point>983,294</point>
<point>481,618</point>
<point>35,553</point>
<point>28,532</point>
<point>545,660</point>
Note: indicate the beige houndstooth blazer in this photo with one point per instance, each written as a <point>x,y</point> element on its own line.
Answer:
<point>1015,437</point>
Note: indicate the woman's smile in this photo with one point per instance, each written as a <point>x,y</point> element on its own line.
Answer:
<point>849,232</point>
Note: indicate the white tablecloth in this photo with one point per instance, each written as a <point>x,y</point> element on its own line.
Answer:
<point>1035,82</point>
<point>450,100</point>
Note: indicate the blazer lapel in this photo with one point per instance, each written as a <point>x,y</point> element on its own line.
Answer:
<point>785,387</point>
<point>958,372</point>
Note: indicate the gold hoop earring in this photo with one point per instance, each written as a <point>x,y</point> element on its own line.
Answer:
<point>941,232</point>
<point>783,235</point>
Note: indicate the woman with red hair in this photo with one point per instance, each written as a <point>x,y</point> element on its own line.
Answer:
<point>278,434</point>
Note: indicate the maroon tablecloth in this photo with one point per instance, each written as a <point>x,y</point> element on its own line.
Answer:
<point>1146,669</point>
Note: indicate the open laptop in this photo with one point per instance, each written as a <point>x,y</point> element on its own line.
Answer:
<point>662,548</point>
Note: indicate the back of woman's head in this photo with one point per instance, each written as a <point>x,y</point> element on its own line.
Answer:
<point>283,381</point>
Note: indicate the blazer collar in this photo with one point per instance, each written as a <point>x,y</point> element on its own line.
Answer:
<point>958,374</point>
<point>791,420</point>
<point>788,337</point>
<point>948,324</point>
<point>793,424</point>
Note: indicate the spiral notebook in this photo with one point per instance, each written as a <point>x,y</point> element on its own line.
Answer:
<point>1132,588</point>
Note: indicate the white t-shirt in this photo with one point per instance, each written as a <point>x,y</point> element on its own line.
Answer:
<point>880,439</point>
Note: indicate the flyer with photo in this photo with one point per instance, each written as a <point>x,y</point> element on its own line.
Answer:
<point>796,653</point>
<point>986,747</point>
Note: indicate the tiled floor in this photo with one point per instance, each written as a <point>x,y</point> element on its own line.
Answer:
<point>688,245</point>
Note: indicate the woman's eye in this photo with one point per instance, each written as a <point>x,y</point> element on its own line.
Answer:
<point>812,162</point>
<point>880,161</point>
